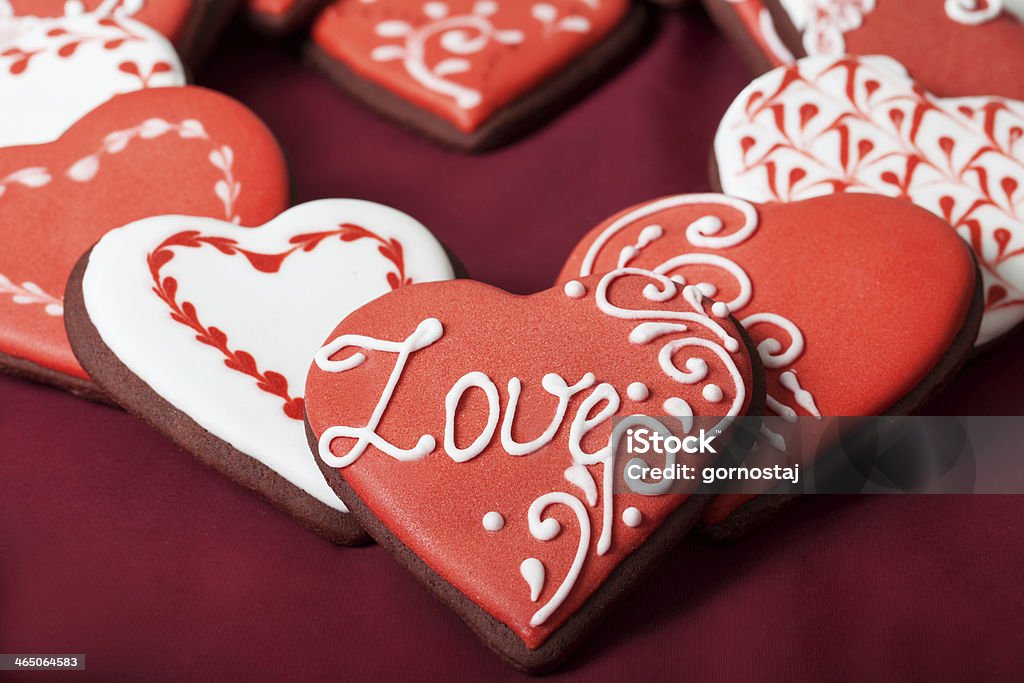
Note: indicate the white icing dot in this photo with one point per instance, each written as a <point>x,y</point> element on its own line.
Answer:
<point>678,279</point>
<point>707,289</point>
<point>677,407</point>
<point>632,517</point>
<point>638,391</point>
<point>493,521</point>
<point>574,289</point>
<point>720,310</point>
<point>713,393</point>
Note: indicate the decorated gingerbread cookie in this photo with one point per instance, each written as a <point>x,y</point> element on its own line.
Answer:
<point>191,25</point>
<point>851,317</point>
<point>55,70</point>
<point>205,329</point>
<point>188,150</point>
<point>470,431</point>
<point>282,16</point>
<point>953,48</point>
<point>472,73</point>
<point>861,124</point>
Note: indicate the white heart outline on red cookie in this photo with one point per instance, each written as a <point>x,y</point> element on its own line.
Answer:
<point>147,307</point>
<point>227,188</point>
<point>60,68</point>
<point>795,133</point>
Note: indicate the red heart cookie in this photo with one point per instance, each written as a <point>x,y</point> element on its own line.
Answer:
<point>469,72</point>
<point>57,69</point>
<point>166,150</point>
<point>469,430</point>
<point>205,330</point>
<point>850,316</point>
<point>189,24</point>
<point>853,125</point>
<point>951,47</point>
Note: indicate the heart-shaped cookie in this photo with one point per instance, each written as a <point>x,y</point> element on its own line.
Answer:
<point>951,47</point>
<point>472,73</point>
<point>187,150</point>
<point>851,124</point>
<point>206,329</point>
<point>54,70</point>
<point>851,317</point>
<point>469,430</point>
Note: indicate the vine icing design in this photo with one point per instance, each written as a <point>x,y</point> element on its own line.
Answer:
<point>239,360</point>
<point>601,402</point>
<point>827,125</point>
<point>460,36</point>
<point>779,353</point>
<point>227,188</point>
<point>63,36</point>
<point>28,293</point>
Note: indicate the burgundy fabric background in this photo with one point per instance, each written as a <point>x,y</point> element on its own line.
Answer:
<point>115,544</point>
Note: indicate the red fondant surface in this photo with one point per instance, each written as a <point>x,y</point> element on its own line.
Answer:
<point>116,545</point>
<point>132,149</point>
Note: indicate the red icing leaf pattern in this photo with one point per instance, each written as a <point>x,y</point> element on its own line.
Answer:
<point>185,313</point>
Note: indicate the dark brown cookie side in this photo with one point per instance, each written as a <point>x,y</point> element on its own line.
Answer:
<point>25,369</point>
<point>207,19</point>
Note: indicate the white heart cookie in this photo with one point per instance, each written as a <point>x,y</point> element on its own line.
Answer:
<point>222,321</point>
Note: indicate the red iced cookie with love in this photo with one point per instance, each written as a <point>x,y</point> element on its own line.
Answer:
<point>471,428</point>
<point>463,60</point>
<point>951,47</point>
<point>850,316</point>
<point>861,124</point>
<point>162,151</point>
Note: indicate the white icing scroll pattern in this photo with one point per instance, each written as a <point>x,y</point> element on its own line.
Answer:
<point>460,36</point>
<point>777,352</point>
